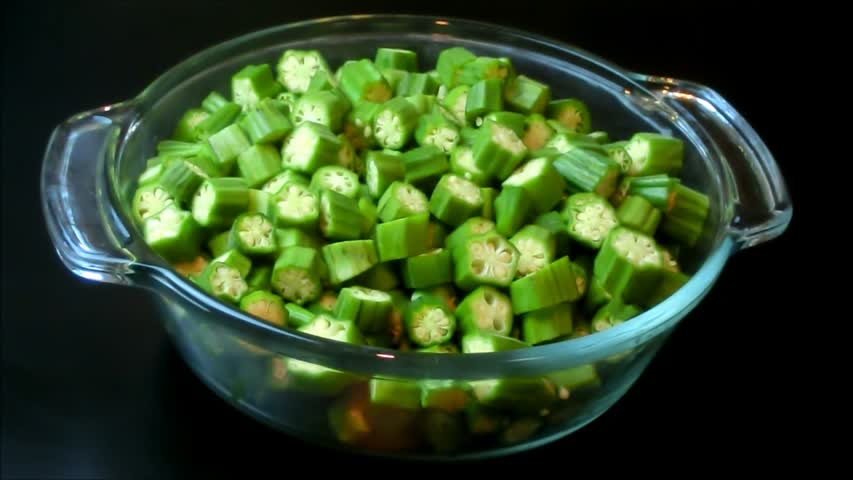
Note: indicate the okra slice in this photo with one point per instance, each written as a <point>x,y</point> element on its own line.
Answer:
<point>322,81</point>
<point>471,228</point>
<point>436,235</point>
<point>296,206</point>
<point>252,84</point>
<point>381,276</point>
<point>285,101</point>
<point>424,104</point>
<point>233,258</point>
<point>402,238</point>
<point>429,321</point>
<point>541,181</point>
<point>462,164</point>
<point>428,270</point>
<point>619,154</point>
<point>487,259</point>
<point>227,144</point>
<point>310,147</point>
<point>671,282</point>
<point>547,324</point>
<point>554,222</point>
<point>553,284</point>
<point>526,95</point>
<point>653,153</point>
<point>336,179</point>
<point>187,127</point>
<point>566,141</point>
<point>298,316</point>
<point>368,309</point>
<point>253,234</point>
<point>361,80</point>
<point>468,135</point>
<point>358,125</point>
<point>216,121</point>
<point>348,259</point>
<point>173,234</point>
<point>581,378</point>
<point>536,247</point>
<point>589,218</point>
<point>596,296</point>
<point>275,184</point>
<point>455,199</point>
<point>485,96</point>
<point>340,217</point>
<point>436,130</point>
<point>369,214</point>
<point>588,171</point>
<point>639,214</point>
<point>332,328</point>
<point>326,107</point>
<point>455,102</point>
<point>512,120</point>
<point>572,113</point>
<point>489,195</point>
<point>398,58</point>
<point>175,148</point>
<point>394,123</point>
<point>261,202</point>
<point>415,83</point>
<point>223,282</point>
<point>383,169</point>
<point>296,274</point>
<point>612,314</point>
<point>150,200</point>
<point>401,200</point>
<point>486,309</point>
<point>219,243</point>
<point>288,237</point>
<point>450,62</point>
<point>295,68</point>
<point>181,177</point>
<point>629,265</point>
<point>325,304</point>
<point>537,132</point>
<point>521,395</point>
<point>685,221</point>
<point>498,151</point>
<point>512,209</point>
<point>151,174</point>
<point>259,277</point>
<point>659,190</point>
<point>258,164</point>
<point>266,306</point>
<point>218,201</point>
<point>583,266</point>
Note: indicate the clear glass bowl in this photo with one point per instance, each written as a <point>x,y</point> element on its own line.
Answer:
<point>93,159</point>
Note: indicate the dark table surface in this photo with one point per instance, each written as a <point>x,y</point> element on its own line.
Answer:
<point>91,387</point>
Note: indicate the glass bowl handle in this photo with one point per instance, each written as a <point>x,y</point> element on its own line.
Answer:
<point>762,206</point>
<point>75,193</point>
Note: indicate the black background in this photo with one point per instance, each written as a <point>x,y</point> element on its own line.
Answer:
<point>91,388</point>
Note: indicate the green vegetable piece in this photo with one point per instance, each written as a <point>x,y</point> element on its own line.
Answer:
<point>261,202</point>
<point>326,107</point>
<point>659,190</point>
<point>265,305</point>
<point>424,104</point>
<point>296,206</point>
<point>258,164</point>
<point>216,121</point>
<point>512,120</point>
<point>295,68</point>
<point>486,309</point>
<point>358,125</point>
<point>259,277</point>
<point>489,195</point>
<point>401,200</point>
<point>520,395</point>
<point>218,201</point>
<point>288,237</point>
<point>485,96</point>
<point>296,275</point>
<point>512,209</point>
<point>223,282</point>
<point>462,164</point>
<point>234,258</point>
<point>685,221</point>
<point>326,304</point>
<point>468,135</point>
<point>555,224</point>
<point>310,147</point>
<point>383,169</point>
<point>173,234</point>
<point>572,114</point>
<point>537,132</point>
<point>274,185</point>
<point>546,287</point>
<point>548,324</point>
<point>471,228</point>
<point>369,215</point>
<point>252,84</point>
<point>612,314</point>
<point>617,152</point>
<point>340,217</point>
<point>671,282</point>
<point>253,234</point>
<point>588,171</point>
<point>394,123</point>
<point>436,235</point>
<point>536,247</point>
<point>397,393</point>
<point>398,58</point>
<point>213,102</point>
<point>322,81</point>
<point>455,199</point>
<point>629,265</point>
<point>227,144</point>
<point>589,218</point>
<point>484,68</point>
<point>541,181</point>
<point>455,102</point>
<point>600,137</point>
<point>219,243</point>
<point>436,130</point>
<point>298,316</point>
<point>498,151</point>
<point>653,153</point>
<point>428,270</point>
<point>402,238</point>
<point>526,95</point>
<point>639,214</point>
<point>424,166</point>
<point>368,309</point>
<point>488,259</point>
<point>450,62</point>
<point>181,178</point>
<point>348,259</point>
<point>361,80</point>
<point>150,175</point>
<point>414,83</point>
<point>187,127</point>
<point>337,179</point>
<point>579,378</point>
<point>429,321</point>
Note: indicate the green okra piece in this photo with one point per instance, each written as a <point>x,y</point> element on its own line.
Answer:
<point>436,130</point>
<point>402,238</point>
<point>513,207</point>
<point>253,234</point>
<point>659,190</point>
<point>639,214</point>
<point>525,95</point>
<point>310,377</point>
<point>325,304</point>
<point>588,171</point>
<point>187,127</point>
<point>181,177</point>
<point>259,277</point>
<point>394,123</point>
<point>173,234</point>
<point>537,132</point>
<point>358,125</point>
<point>424,104</point>
<point>175,148</point>
<point>265,305</point>
<point>295,68</point>
<point>321,81</point>
<point>554,222</point>
<point>382,169</point>
<point>361,80</point>
<point>150,200</point>
<point>288,237</point>
<point>462,164</point>
<point>227,144</point>
<point>613,313</point>
<point>589,218</point>
<point>381,276</point>
<point>326,107</point>
<point>298,316</point>
<point>455,199</point>
<point>252,84</point>
<point>151,174</point>
<point>498,151</point>
<point>671,282</point>
<point>424,166</point>
<point>486,309</point>
<point>223,282</point>
<point>261,202</point>
<point>468,135</point>
<point>295,205</point>
<point>429,269</point>
<point>233,257</point>
<point>337,179</point>
<point>583,377</point>
<point>429,321</point>
<point>653,153</point>
<point>521,395</point>
<point>401,200</point>
<point>369,215</point>
<point>536,247</point>
<point>489,195</point>
<point>213,102</point>
<point>414,83</point>
<point>218,201</point>
<point>547,324</point>
<point>565,141</point>
<point>485,96</point>
<point>596,296</point>
<point>629,265</point>
<point>455,102</point>
<point>296,274</point>
<point>368,309</point>
<point>216,121</point>
<point>572,113</point>
<point>399,58</point>
<point>285,101</point>
<point>398,393</point>
<point>487,259</point>
<point>450,62</point>
<point>348,158</point>
<point>436,235</point>
<point>484,68</point>
<point>599,136</point>
<point>512,120</point>
<point>619,154</point>
<point>553,284</point>
<point>471,228</point>
<point>445,292</point>
<point>340,217</point>
<point>258,164</point>
<point>310,147</point>
<point>348,259</point>
<point>219,243</point>
<point>541,181</point>
<point>685,221</point>
<point>274,184</point>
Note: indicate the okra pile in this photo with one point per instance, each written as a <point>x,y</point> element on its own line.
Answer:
<point>461,209</point>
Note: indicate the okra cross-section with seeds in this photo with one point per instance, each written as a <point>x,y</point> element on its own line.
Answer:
<point>218,201</point>
<point>252,84</point>
<point>266,306</point>
<point>429,321</point>
<point>589,218</point>
<point>150,200</point>
<point>629,265</point>
<point>455,200</point>
<point>337,179</point>
<point>401,200</point>
<point>536,247</point>
<point>310,147</point>
<point>296,275</point>
<point>435,129</point>
<point>173,234</point>
<point>295,68</point>
<point>223,282</point>
<point>360,80</point>
<point>253,234</point>
<point>327,108</point>
<point>486,309</point>
<point>485,260</point>
<point>296,206</point>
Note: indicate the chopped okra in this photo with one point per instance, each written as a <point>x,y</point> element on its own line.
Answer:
<point>589,218</point>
